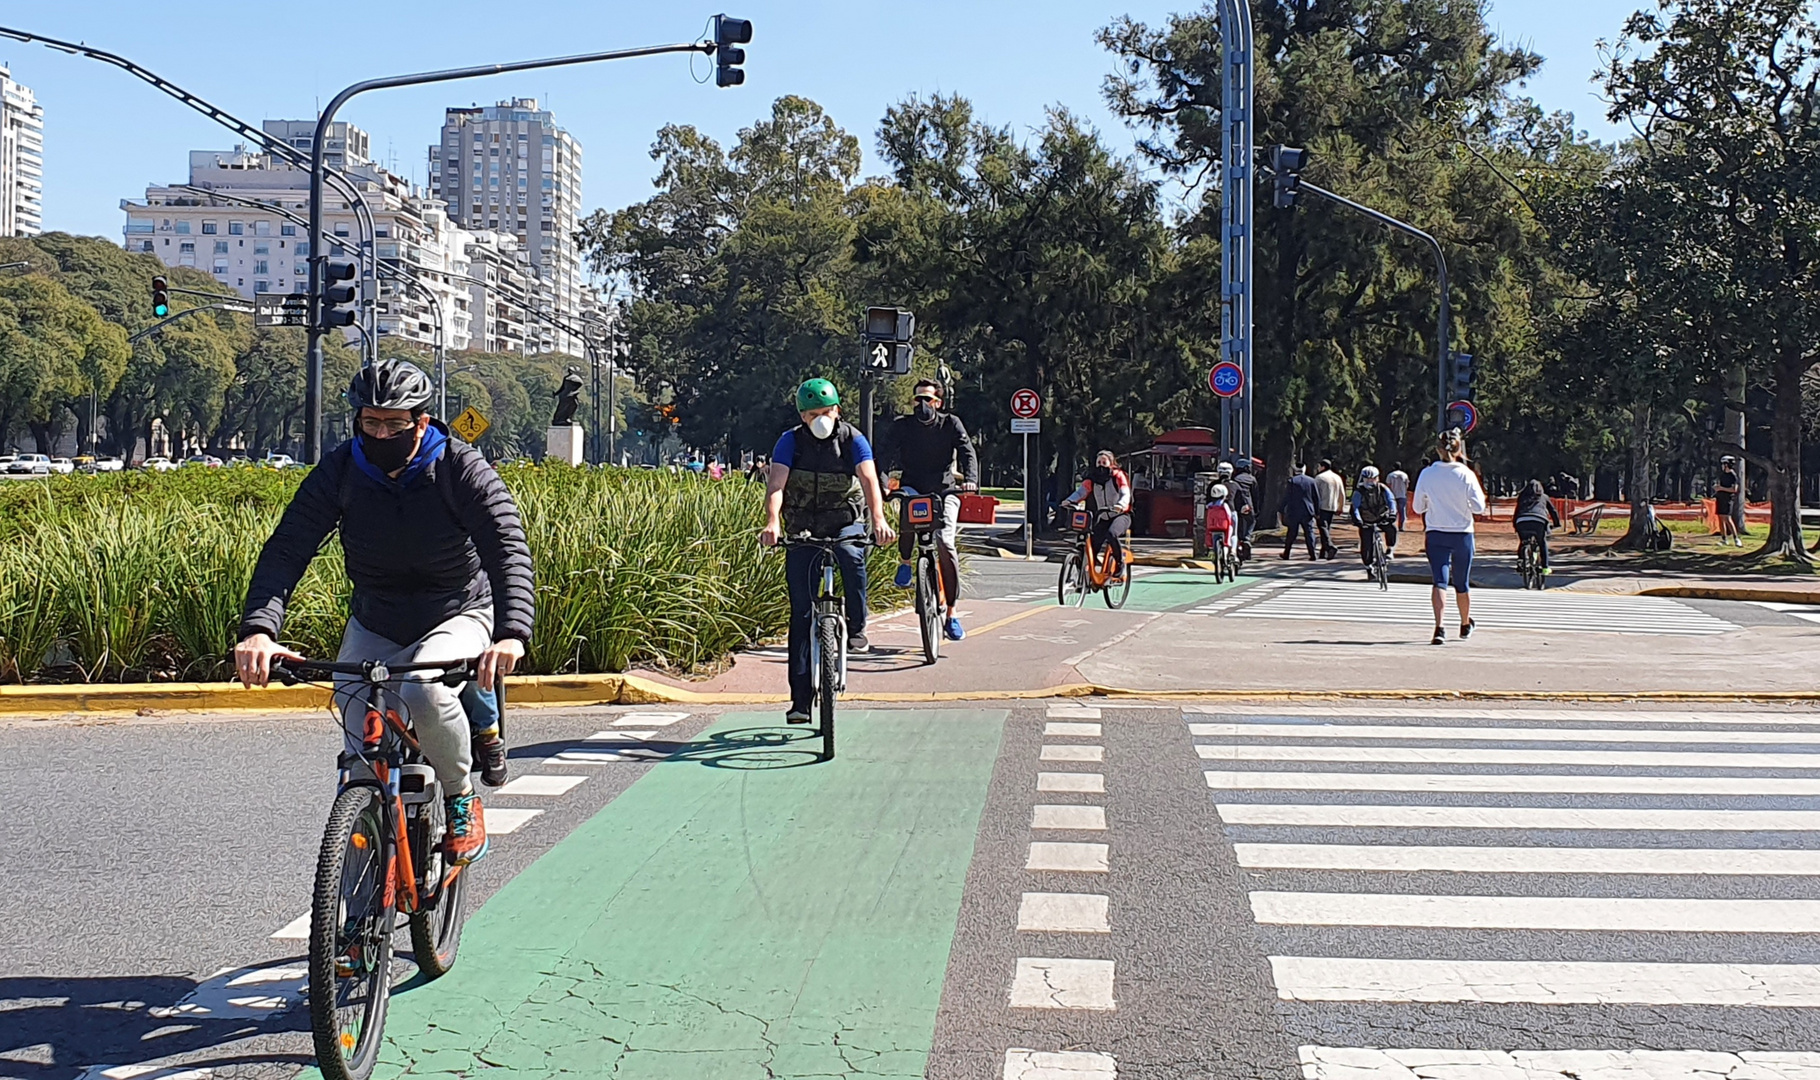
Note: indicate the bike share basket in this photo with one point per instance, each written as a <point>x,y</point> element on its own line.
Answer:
<point>979,510</point>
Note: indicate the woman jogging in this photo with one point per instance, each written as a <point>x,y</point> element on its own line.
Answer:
<point>1447,496</point>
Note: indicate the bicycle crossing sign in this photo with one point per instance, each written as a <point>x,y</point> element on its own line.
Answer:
<point>1026,403</point>
<point>1463,415</point>
<point>1226,379</point>
<point>470,425</point>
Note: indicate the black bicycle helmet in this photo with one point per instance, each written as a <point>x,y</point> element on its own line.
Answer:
<point>390,384</point>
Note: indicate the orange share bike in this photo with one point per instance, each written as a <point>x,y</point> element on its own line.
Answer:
<point>1084,570</point>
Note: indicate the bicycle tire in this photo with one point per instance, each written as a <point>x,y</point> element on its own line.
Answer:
<point>1116,592</point>
<point>341,1054</point>
<point>929,610</point>
<point>436,933</point>
<point>1069,581</point>
<point>828,628</point>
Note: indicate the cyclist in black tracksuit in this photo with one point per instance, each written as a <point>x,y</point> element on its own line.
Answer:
<point>927,446</point>
<point>434,546</point>
<point>1534,516</point>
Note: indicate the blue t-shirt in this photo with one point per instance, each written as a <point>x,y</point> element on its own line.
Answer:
<point>784,453</point>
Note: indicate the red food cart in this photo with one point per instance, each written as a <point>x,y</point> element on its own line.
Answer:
<point>1162,480</point>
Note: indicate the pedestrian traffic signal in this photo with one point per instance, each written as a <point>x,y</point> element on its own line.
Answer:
<point>1287,162</point>
<point>729,33</point>
<point>338,304</point>
<point>161,297</point>
<point>1460,389</point>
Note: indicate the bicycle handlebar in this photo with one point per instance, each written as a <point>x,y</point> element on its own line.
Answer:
<point>292,672</point>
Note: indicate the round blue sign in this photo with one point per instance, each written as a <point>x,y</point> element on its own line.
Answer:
<point>1226,379</point>
<point>1463,414</point>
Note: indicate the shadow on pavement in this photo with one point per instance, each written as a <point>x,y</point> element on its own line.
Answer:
<point>754,748</point>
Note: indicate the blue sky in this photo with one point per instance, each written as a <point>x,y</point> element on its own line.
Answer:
<point>107,136</point>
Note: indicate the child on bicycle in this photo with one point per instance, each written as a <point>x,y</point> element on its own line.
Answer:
<point>1222,524</point>
<point>1374,509</point>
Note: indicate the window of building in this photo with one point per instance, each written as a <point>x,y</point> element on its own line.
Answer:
<point>221,247</point>
<point>341,228</point>
<point>236,228</point>
<point>303,249</point>
<point>260,266</point>
<point>262,286</point>
<point>221,266</point>
<point>186,248</point>
<point>382,231</point>
<point>145,245</point>
<point>262,247</point>
<point>208,228</point>
<point>183,228</point>
<point>287,229</point>
<point>262,228</point>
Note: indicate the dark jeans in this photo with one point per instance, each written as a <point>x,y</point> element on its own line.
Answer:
<point>1388,539</point>
<point>801,566</point>
<point>1307,531</point>
<point>1538,531</point>
<point>1324,522</point>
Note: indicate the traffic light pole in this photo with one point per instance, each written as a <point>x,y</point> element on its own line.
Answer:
<point>1236,210</point>
<point>312,386</point>
<point>1442,328</point>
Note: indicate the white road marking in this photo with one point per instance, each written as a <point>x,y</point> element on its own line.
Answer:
<point>1360,1063</point>
<point>578,755</point>
<point>145,1072</point>
<point>1046,816</point>
<point>1608,913</point>
<point>1063,913</point>
<point>297,929</point>
<point>541,785</point>
<point>651,719</point>
<point>1073,712</point>
<point>1530,860</point>
<point>1074,858</point>
<point>1071,730</point>
<point>1500,609</point>
<point>500,822</point>
<point>1580,784</point>
<point>1514,716</point>
<point>1090,782</point>
<point>1473,755</point>
<point>1321,978</point>
<point>1073,753</point>
<point>1516,817</point>
<point>618,735</point>
<point>1043,983</point>
<point>1501,734</point>
<point>1022,1064</point>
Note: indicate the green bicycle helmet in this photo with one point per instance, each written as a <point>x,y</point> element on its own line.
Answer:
<point>816,394</point>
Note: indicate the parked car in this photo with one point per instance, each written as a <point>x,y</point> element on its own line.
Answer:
<point>239,461</point>
<point>105,464</point>
<point>157,464</point>
<point>279,461</point>
<point>206,460</point>
<point>62,466</point>
<point>29,464</point>
<point>7,459</point>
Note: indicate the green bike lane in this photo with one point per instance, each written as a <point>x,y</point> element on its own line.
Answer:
<point>740,911</point>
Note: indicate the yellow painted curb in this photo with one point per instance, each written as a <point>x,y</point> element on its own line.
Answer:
<point>216,697</point>
<point>1734,592</point>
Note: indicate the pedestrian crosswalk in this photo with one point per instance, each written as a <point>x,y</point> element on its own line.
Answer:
<point>1434,907</point>
<point>1504,609</point>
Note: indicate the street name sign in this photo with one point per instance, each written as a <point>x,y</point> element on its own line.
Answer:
<point>281,309</point>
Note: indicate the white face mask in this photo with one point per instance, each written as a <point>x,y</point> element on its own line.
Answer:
<point>822,426</point>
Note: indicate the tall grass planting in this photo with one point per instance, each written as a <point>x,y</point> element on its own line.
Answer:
<point>142,577</point>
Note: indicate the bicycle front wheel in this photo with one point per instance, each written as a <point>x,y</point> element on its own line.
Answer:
<point>929,609</point>
<point>436,932</point>
<point>1118,589</point>
<point>1068,584</point>
<point>351,917</point>
<point>828,631</point>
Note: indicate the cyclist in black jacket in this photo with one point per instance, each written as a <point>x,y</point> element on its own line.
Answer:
<point>433,544</point>
<point>928,446</point>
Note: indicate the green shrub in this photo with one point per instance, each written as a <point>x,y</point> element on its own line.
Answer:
<point>142,576</point>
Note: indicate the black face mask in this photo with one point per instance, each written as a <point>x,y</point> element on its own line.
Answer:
<point>1101,474</point>
<point>924,412</point>
<point>389,455</point>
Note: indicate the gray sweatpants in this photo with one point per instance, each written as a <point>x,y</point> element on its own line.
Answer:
<point>436,713</point>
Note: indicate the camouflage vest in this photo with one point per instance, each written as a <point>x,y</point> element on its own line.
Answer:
<point>822,496</point>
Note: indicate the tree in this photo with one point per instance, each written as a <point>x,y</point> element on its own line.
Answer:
<point>54,349</point>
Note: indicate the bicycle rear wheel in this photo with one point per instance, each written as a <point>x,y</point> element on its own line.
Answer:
<point>928,609</point>
<point>1068,584</point>
<point>828,630</point>
<point>1115,592</point>
<point>351,916</point>
<point>436,932</point>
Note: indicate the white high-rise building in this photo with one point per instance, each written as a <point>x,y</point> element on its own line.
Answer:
<point>21,159</point>
<point>509,168</point>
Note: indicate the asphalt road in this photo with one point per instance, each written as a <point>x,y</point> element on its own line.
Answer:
<point>1050,891</point>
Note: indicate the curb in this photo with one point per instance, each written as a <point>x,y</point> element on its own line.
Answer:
<point>1733,592</point>
<point>580,690</point>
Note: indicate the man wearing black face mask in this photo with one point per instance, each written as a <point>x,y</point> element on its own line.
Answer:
<point>930,446</point>
<point>434,547</point>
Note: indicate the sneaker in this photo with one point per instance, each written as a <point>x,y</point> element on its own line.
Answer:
<point>798,714</point>
<point>1440,637</point>
<point>1466,629</point>
<point>953,628</point>
<point>857,643</point>
<point>490,758</point>
<point>904,574</point>
<point>467,839</point>
<point>1547,570</point>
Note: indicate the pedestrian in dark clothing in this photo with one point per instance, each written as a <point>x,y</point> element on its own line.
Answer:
<point>1244,493</point>
<point>1534,516</point>
<point>1298,510</point>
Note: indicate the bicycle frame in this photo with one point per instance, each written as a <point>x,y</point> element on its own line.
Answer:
<point>827,602</point>
<point>1100,570</point>
<point>922,513</point>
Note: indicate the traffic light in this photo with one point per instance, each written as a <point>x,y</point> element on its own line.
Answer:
<point>338,304</point>
<point>888,334</point>
<point>1460,389</point>
<point>729,33</point>
<point>161,297</point>
<point>1287,162</point>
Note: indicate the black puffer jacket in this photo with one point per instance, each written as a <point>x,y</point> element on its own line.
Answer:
<point>418,555</point>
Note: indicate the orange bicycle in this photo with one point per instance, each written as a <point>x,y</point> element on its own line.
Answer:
<point>1107,572</point>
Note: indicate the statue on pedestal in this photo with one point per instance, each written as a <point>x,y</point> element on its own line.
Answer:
<point>568,397</point>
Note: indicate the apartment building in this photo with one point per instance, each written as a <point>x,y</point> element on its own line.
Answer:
<point>510,168</point>
<point>21,159</point>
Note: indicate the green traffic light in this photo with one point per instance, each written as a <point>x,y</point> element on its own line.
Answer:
<point>161,310</point>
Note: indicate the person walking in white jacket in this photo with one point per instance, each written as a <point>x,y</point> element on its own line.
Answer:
<point>1447,496</point>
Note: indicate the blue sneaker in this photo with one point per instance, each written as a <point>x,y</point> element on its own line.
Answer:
<point>955,633</point>
<point>904,573</point>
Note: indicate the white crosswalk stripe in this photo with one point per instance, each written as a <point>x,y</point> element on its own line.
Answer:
<point>1502,609</point>
<point>1392,865</point>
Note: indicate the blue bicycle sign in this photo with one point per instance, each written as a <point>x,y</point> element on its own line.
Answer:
<point>1226,379</point>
